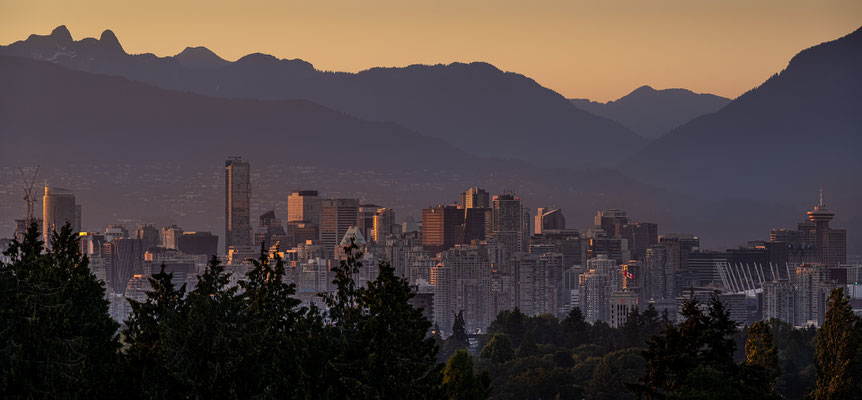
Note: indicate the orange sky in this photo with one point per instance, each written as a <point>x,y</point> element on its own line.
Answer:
<point>595,49</point>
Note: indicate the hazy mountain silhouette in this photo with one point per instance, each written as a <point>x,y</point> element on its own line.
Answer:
<point>475,106</point>
<point>200,58</point>
<point>126,141</point>
<point>652,113</point>
<point>780,141</point>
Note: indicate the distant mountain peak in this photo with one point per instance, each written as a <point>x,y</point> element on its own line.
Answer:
<point>61,33</point>
<point>200,57</point>
<point>109,40</point>
<point>643,89</point>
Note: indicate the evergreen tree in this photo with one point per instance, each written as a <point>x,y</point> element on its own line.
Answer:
<point>702,342</point>
<point>56,336</point>
<point>632,329</point>
<point>401,357</point>
<point>145,329</point>
<point>269,318</point>
<point>208,348</point>
<point>459,380</point>
<point>575,329</point>
<point>837,351</point>
<point>459,329</point>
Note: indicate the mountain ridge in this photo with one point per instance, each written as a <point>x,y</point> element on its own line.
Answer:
<point>650,112</point>
<point>476,106</point>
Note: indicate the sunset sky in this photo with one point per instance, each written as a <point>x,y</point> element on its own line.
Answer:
<point>588,49</point>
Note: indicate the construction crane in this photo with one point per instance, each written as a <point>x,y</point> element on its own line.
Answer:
<point>28,193</point>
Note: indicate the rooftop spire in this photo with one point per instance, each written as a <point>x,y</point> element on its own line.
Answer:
<point>821,195</point>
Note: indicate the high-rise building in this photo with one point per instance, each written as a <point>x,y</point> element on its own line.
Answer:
<point>812,289</point>
<point>640,236</point>
<point>269,230</point>
<point>170,234</point>
<point>198,243</point>
<point>594,292</point>
<point>124,258</point>
<point>305,206</point>
<point>815,238</point>
<point>475,197</point>
<point>622,303</point>
<point>440,227</point>
<point>383,221</point>
<point>337,216</point>
<point>609,221</point>
<point>462,282</point>
<point>148,235</point>
<point>549,219</point>
<point>660,269</point>
<point>237,193</point>
<point>59,208</point>
<point>779,301</point>
<point>366,219</point>
<point>477,225</point>
<point>511,223</point>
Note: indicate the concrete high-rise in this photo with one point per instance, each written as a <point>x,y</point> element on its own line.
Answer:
<point>511,223</point>
<point>304,206</point>
<point>610,221</point>
<point>148,235</point>
<point>237,203</point>
<point>815,239</point>
<point>58,208</point>
<point>475,197</point>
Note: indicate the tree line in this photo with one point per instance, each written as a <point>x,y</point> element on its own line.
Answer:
<point>256,340</point>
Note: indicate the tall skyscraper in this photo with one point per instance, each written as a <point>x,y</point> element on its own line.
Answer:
<point>237,203</point>
<point>440,227</point>
<point>58,208</point>
<point>610,220</point>
<point>814,238</point>
<point>511,223</point>
<point>475,197</point>
<point>384,220</point>
<point>549,219</point>
<point>148,235</point>
<point>366,219</point>
<point>337,216</point>
<point>304,205</point>
<point>640,236</point>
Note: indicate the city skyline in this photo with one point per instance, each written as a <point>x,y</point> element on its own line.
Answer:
<point>587,50</point>
<point>489,200</point>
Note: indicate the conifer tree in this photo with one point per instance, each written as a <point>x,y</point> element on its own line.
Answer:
<point>208,349</point>
<point>269,318</point>
<point>56,336</point>
<point>145,329</point>
<point>837,351</point>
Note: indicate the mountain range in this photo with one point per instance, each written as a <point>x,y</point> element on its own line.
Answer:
<point>800,129</point>
<point>651,113</point>
<point>475,107</point>
<point>413,133</point>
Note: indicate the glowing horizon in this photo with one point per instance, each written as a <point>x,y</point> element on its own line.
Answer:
<point>579,49</point>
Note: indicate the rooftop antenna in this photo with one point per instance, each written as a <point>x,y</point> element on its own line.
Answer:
<point>28,193</point>
<point>821,195</point>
